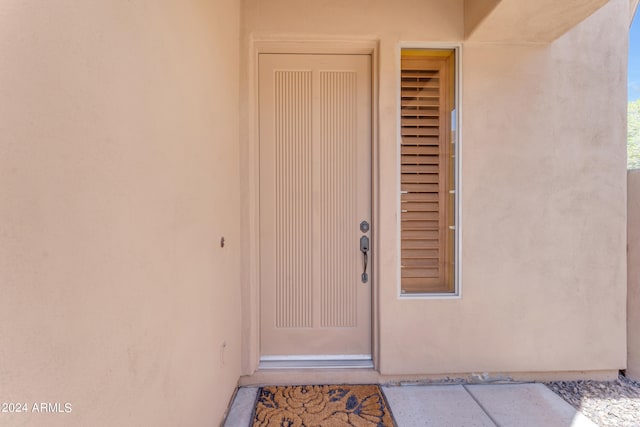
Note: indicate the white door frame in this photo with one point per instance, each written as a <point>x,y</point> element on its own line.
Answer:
<point>251,153</point>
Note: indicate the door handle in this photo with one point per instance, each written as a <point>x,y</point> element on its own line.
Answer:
<point>364,248</point>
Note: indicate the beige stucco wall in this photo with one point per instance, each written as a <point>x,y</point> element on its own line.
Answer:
<point>119,166</point>
<point>543,212</point>
<point>633,271</point>
<point>476,11</point>
<point>543,195</point>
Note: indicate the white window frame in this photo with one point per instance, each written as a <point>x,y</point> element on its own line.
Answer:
<point>457,293</point>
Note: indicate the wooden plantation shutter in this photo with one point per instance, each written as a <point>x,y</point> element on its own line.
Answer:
<point>427,172</point>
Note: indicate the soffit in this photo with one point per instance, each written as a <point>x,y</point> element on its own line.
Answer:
<point>525,21</point>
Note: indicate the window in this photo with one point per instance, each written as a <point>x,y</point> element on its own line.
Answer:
<point>428,171</point>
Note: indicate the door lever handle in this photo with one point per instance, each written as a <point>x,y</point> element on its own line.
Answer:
<point>364,248</point>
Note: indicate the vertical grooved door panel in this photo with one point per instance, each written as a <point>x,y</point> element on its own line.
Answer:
<point>315,189</point>
<point>337,208</point>
<point>294,261</point>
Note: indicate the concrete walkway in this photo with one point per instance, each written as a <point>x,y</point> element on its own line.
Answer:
<point>505,405</point>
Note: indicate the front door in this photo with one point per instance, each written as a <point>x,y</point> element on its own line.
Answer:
<point>315,191</point>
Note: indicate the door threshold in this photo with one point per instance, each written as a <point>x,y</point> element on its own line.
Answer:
<point>350,361</point>
<point>306,376</point>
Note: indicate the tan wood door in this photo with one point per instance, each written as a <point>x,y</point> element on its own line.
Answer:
<point>315,190</point>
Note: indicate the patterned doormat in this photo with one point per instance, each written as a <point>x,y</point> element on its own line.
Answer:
<point>322,405</point>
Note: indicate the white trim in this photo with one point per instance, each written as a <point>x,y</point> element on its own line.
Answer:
<point>316,357</point>
<point>457,293</point>
<point>338,361</point>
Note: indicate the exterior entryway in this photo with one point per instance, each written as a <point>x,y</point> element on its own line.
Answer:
<point>315,194</point>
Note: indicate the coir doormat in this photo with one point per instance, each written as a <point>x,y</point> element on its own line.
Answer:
<point>322,405</point>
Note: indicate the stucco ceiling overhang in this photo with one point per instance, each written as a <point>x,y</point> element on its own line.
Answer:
<point>525,21</point>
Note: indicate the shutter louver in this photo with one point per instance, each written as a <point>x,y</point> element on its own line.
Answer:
<point>425,174</point>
